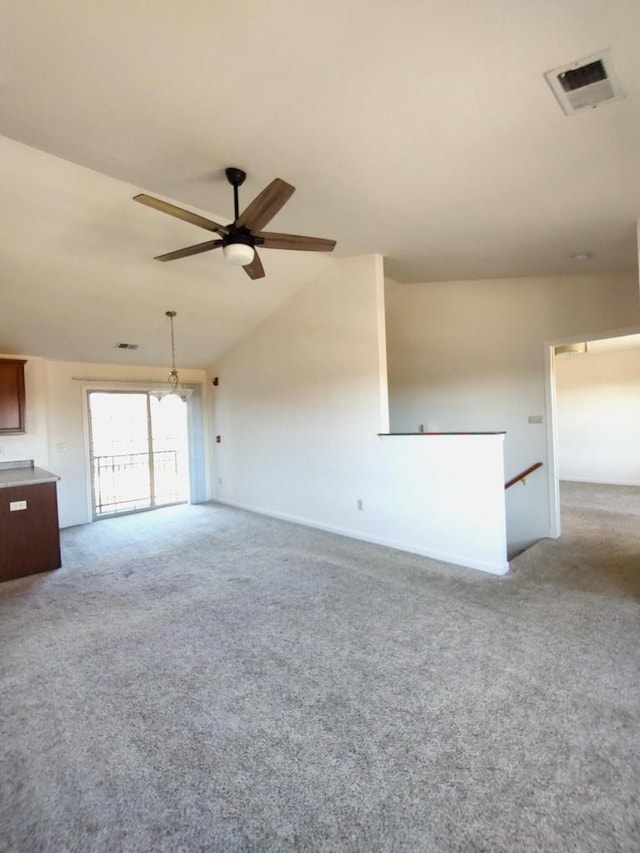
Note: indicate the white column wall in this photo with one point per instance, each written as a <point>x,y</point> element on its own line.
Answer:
<point>299,406</point>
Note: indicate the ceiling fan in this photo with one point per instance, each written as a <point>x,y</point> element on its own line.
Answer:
<point>240,239</point>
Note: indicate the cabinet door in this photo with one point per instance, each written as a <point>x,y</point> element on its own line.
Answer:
<point>12,404</point>
<point>29,536</point>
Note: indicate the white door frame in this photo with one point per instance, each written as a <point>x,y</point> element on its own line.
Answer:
<point>553,478</point>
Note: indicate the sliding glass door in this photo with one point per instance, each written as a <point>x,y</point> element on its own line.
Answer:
<point>139,452</point>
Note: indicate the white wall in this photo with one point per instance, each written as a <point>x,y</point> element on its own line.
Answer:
<point>598,417</point>
<point>299,407</point>
<point>470,355</point>
<point>56,418</point>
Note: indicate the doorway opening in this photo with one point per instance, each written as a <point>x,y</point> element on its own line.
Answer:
<point>594,395</point>
<point>139,451</point>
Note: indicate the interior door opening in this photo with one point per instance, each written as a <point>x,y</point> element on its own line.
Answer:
<point>139,451</point>
<point>593,396</point>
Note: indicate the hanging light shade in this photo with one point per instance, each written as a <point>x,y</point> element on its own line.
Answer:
<point>239,254</point>
<point>175,389</point>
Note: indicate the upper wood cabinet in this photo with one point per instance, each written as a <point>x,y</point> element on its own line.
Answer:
<point>12,401</point>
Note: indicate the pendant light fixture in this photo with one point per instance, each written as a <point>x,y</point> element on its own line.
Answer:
<point>173,379</point>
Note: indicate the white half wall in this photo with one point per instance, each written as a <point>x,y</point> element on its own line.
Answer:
<point>443,496</point>
<point>598,417</point>
<point>470,355</point>
<point>298,408</point>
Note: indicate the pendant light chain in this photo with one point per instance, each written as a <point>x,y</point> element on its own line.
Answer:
<point>173,375</point>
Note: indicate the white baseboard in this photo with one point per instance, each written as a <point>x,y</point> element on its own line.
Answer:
<point>493,568</point>
<point>599,482</point>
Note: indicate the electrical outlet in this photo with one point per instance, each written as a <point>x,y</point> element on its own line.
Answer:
<point>1,450</point>
<point>360,504</point>
<point>219,481</point>
<point>16,505</point>
<point>535,419</point>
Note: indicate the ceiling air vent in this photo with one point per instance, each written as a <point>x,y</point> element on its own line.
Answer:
<point>126,346</point>
<point>571,349</point>
<point>585,83</point>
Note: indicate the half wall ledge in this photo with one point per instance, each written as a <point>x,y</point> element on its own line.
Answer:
<point>497,432</point>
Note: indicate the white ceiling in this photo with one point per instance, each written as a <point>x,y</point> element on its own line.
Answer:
<point>421,130</point>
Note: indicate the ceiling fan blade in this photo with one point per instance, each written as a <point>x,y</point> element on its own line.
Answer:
<point>190,250</point>
<point>265,205</point>
<point>180,213</point>
<point>272,240</point>
<point>255,268</point>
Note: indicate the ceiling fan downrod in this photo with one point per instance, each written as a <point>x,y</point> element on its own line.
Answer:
<point>236,178</point>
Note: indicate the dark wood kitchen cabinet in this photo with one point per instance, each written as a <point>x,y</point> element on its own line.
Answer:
<point>12,398</point>
<point>29,531</point>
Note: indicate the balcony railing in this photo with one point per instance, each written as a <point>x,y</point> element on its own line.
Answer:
<point>132,481</point>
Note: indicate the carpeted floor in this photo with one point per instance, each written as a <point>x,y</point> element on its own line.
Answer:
<point>204,679</point>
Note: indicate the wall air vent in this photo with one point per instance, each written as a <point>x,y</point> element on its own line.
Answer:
<point>586,83</point>
<point>127,346</point>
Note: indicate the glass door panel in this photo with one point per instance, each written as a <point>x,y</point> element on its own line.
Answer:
<point>139,452</point>
<point>169,442</point>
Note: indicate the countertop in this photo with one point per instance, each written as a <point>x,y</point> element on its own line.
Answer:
<point>25,477</point>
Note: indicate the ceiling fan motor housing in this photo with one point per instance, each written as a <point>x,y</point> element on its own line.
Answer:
<point>241,235</point>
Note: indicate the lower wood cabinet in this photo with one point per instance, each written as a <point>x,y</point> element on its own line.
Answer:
<point>29,537</point>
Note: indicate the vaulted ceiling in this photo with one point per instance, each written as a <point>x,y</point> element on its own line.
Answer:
<point>424,131</point>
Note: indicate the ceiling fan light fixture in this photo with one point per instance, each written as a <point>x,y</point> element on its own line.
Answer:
<point>238,254</point>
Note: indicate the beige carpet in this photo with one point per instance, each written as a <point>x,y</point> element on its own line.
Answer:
<point>599,550</point>
<point>205,679</point>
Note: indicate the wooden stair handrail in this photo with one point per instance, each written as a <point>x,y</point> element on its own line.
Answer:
<point>522,475</point>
